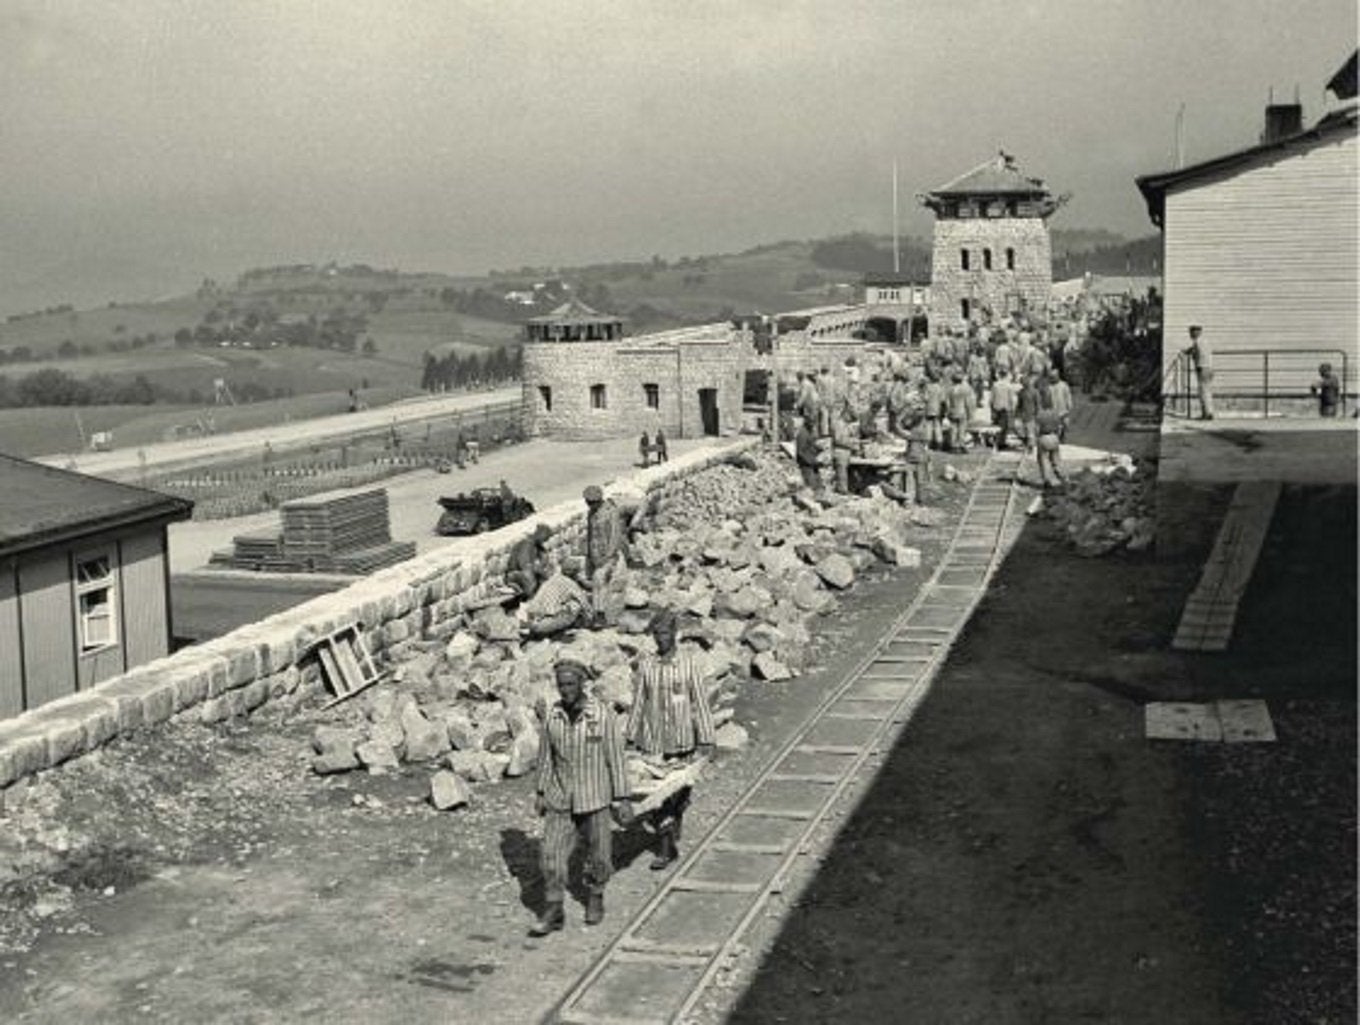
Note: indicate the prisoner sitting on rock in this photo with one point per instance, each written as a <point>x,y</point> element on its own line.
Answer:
<point>530,563</point>
<point>671,720</point>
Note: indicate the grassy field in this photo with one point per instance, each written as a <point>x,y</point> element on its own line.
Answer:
<point>49,430</point>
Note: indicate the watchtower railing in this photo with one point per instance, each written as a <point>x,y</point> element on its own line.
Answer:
<point>1271,382</point>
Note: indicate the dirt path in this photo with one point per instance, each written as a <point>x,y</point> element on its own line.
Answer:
<point>120,464</point>
<point>247,890</point>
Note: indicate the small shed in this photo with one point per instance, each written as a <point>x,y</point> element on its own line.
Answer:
<point>84,580</point>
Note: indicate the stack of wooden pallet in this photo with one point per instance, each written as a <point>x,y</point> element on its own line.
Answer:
<point>348,534</point>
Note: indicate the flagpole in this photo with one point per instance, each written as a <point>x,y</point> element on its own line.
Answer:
<point>897,256</point>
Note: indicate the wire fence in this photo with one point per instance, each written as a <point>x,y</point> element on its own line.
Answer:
<point>266,480</point>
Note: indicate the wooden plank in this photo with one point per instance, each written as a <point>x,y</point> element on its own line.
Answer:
<point>804,777</point>
<point>627,956</point>
<point>687,885</point>
<point>734,847</point>
<point>756,811</point>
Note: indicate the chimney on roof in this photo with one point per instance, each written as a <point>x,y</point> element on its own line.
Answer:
<point>1282,120</point>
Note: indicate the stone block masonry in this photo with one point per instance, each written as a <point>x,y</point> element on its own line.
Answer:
<point>1002,288</point>
<point>400,607</point>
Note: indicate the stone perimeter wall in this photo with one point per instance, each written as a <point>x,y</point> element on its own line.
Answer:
<point>400,607</point>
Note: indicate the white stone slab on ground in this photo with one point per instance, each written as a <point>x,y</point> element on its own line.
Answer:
<point>1177,720</point>
<point>1232,722</point>
<point>1246,722</point>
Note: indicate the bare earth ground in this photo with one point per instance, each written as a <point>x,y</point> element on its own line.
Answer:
<point>1024,855</point>
<point>242,888</point>
<point>1027,856</point>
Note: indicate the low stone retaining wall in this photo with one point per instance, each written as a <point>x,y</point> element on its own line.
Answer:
<point>399,608</point>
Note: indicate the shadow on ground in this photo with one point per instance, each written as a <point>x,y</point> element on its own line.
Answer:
<point>1026,856</point>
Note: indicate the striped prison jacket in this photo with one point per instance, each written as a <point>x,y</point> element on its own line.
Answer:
<point>670,713</point>
<point>580,764</point>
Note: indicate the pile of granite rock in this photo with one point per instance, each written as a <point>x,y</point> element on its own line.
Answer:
<point>1106,507</point>
<point>742,555</point>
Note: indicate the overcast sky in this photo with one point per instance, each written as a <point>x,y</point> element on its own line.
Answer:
<point>147,143</point>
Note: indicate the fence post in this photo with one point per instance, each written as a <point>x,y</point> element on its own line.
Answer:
<point>1265,400</point>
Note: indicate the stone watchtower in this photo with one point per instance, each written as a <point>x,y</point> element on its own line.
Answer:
<point>992,255</point>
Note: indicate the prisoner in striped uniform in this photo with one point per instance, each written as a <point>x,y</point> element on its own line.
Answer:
<point>581,777</point>
<point>670,717</point>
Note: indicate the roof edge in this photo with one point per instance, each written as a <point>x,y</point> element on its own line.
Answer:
<point>1154,186</point>
<point>169,510</point>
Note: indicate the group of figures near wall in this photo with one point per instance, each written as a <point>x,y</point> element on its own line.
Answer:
<point>1000,386</point>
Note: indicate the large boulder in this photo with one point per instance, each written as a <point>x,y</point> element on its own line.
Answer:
<point>462,733</point>
<point>448,791</point>
<point>767,667</point>
<point>742,604</point>
<point>836,571</point>
<point>731,737</point>
<point>377,756</point>
<point>896,553</point>
<point>523,754</point>
<point>425,740</point>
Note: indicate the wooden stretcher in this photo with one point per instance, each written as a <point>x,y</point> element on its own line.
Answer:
<point>650,793</point>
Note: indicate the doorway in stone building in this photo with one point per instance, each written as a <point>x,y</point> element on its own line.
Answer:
<point>708,411</point>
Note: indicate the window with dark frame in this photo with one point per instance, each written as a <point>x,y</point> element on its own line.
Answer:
<point>1010,258</point>
<point>986,259</point>
<point>545,396</point>
<point>963,259</point>
<point>96,607</point>
<point>652,393</point>
<point>597,397</point>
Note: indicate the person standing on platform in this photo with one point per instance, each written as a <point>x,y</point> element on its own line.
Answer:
<point>582,778</point>
<point>1327,388</point>
<point>661,454</point>
<point>670,719</point>
<point>1202,359</point>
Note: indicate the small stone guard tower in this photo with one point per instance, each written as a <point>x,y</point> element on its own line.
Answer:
<point>992,254</point>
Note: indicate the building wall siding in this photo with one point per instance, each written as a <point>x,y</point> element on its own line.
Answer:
<point>1266,258</point>
<point>145,617</point>
<point>1031,280</point>
<point>11,649</point>
<point>45,598</point>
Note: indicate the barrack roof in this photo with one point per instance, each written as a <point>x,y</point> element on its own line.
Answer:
<point>43,505</point>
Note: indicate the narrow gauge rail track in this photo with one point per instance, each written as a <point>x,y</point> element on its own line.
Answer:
<point>660,965</point>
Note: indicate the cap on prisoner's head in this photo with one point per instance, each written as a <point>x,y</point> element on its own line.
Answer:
<point>1052,373</point>
<point>1195,330</point>
<point>1325,369</point>
<point>592,494</point>
<point>568,670</point>
<point>542,532</point>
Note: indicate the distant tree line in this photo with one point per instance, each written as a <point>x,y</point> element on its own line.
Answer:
<point>474,370</point>
<point>261,326</point>
<point>53,387</point>
<point>50,311</point>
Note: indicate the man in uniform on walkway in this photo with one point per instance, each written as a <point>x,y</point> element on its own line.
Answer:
<point>670,719</point>
<point>1201,356</point>
<point>581,779</point>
